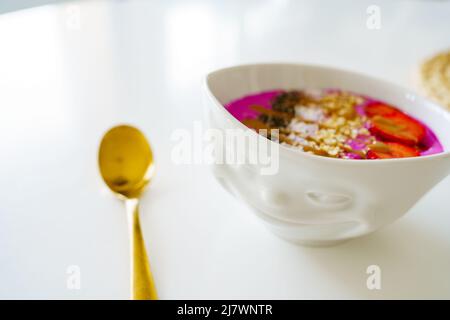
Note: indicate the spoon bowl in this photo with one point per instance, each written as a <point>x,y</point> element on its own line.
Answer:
<point>126,161</point>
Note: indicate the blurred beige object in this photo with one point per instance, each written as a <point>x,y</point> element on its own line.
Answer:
<point>435,78</point>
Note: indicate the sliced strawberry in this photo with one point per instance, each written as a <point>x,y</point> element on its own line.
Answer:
<point>380,109</point>
<point>398,128</point>
<point>389,150</point>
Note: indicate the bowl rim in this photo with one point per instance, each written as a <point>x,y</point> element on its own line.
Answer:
<point>298,153</point>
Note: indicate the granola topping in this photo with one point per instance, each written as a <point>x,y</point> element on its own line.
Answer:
<point>336,123</point>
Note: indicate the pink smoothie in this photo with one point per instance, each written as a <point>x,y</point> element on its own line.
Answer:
<point>240,109</point>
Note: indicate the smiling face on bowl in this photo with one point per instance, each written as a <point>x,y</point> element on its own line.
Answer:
<point>314,191</point>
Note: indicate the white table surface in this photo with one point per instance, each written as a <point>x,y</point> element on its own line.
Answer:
<point>70,71</point>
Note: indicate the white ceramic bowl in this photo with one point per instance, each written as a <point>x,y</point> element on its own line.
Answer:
<point>316,200</point>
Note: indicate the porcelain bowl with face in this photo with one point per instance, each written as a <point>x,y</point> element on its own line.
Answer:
<point>316,200</point>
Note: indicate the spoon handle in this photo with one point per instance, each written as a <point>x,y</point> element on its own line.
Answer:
<point>142,285</point>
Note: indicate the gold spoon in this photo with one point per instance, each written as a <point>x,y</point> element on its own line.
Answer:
<point>126,165</point>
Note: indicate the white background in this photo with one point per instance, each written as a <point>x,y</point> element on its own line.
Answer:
<point>70,71</point>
